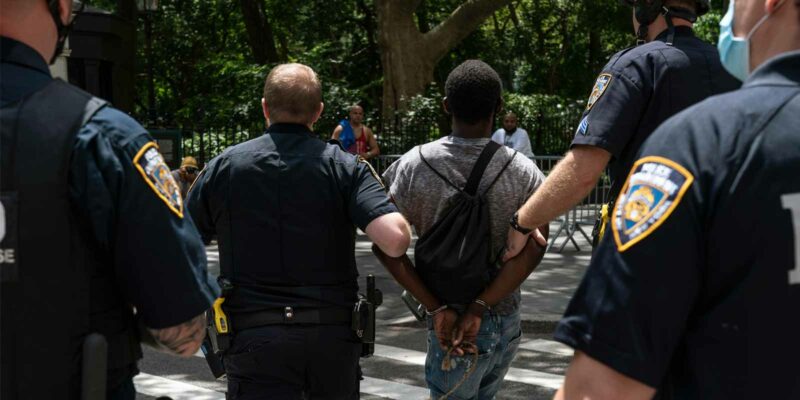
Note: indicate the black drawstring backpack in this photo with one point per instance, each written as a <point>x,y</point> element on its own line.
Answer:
<point>453,256</point>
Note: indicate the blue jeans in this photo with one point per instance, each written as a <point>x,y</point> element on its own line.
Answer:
<point>497,342</point>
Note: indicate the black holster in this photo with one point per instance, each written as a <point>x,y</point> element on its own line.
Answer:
<point>363,321</point>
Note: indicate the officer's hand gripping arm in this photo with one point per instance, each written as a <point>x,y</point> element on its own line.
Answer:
<point>516,270</point>
<point>571,181</point>
<point>511,276</point>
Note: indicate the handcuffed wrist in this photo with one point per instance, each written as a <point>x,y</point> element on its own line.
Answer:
<point>477,309</point>
<point>482,303</point>
<point>436,311</point>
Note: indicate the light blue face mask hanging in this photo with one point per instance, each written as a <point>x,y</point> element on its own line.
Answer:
<point>734,52</point>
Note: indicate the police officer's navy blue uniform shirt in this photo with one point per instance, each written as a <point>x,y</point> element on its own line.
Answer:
<point>283,206</point>
<point>696,291</point>
<point>134,226</point>
<point>641,87</point>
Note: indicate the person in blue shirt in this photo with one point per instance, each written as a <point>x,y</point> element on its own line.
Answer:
<point>94,222</point>
<point>694,292</point>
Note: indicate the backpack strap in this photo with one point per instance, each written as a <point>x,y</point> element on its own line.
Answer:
<point>480,166</point>
<point>435,171</point>
<point>497,177</point>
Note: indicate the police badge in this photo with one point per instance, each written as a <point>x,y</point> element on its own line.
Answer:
<point>654,188</point>
<point>603,82</point>
<point>157,175</point>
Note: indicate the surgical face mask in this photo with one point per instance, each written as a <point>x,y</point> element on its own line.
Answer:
<point>734,52</point>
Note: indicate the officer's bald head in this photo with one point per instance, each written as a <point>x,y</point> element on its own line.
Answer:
<point>292,94</point>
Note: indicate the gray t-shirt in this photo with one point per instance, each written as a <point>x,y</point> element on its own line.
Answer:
<point>423,197</point>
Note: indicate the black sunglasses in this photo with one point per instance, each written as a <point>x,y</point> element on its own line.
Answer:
<point>191,170</point>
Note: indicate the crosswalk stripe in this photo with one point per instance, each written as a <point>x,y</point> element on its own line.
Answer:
<point>530,377</point>
<point>547,346</point>
<point>156,386</point>
<point>392,390</point>
<point>385,388</point>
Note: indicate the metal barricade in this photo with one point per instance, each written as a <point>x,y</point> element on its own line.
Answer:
<point>581,218</point>
<point>382,162</point>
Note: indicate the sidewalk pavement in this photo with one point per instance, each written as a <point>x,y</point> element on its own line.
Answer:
<point>545,294</point>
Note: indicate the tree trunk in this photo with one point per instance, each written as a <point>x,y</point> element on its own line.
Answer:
<point>368,23</point>
<point>512,12</point>
<point>408,56</point>
<point>259,32</point>
<point>590,9</point>
<point>554,79</point>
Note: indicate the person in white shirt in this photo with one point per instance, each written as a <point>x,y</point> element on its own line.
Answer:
<point>512,136</point>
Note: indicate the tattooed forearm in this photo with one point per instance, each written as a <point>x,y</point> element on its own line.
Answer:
<point>184,339</point>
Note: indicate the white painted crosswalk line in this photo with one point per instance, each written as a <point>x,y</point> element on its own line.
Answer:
<point>530,377</point>
<point>393,390</point>
<point>536,378</point>
<point>547,346</point>
<point>156,386</point>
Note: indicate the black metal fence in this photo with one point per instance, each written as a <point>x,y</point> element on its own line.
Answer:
<point>551,132</point>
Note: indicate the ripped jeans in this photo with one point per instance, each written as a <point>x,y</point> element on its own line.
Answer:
<point>498,340</point>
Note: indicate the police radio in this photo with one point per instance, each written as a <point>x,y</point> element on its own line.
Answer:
<point>363,321</point>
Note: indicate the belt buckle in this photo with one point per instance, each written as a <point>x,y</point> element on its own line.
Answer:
<point>288,314</point>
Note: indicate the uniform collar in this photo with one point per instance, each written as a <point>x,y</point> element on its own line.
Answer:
<point>280,127</point>
<point>681,30</point>
<point>15,52</point>
<point>781,70</point>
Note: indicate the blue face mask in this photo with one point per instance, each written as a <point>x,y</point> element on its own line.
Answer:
<point>734,52</point>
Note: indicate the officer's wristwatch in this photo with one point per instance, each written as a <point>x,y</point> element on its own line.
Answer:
<point>515,224</point>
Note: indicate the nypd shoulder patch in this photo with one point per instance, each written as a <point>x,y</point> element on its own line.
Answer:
<point>600,86</point>
<point>654,188</point>
<point>157,175</point>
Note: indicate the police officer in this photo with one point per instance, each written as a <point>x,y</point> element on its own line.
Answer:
<point>638,89</point>
<point>92,227</point>
<point>283,207</point>
<point>695,291</point>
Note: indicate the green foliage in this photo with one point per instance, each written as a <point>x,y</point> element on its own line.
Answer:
<point>707,26</point>
<point>547,46</point>
<point>550,120</point>
<point>548,53</point>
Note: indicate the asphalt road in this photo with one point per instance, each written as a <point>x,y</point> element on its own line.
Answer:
<point>397,369</point>
<point>395,372</point>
